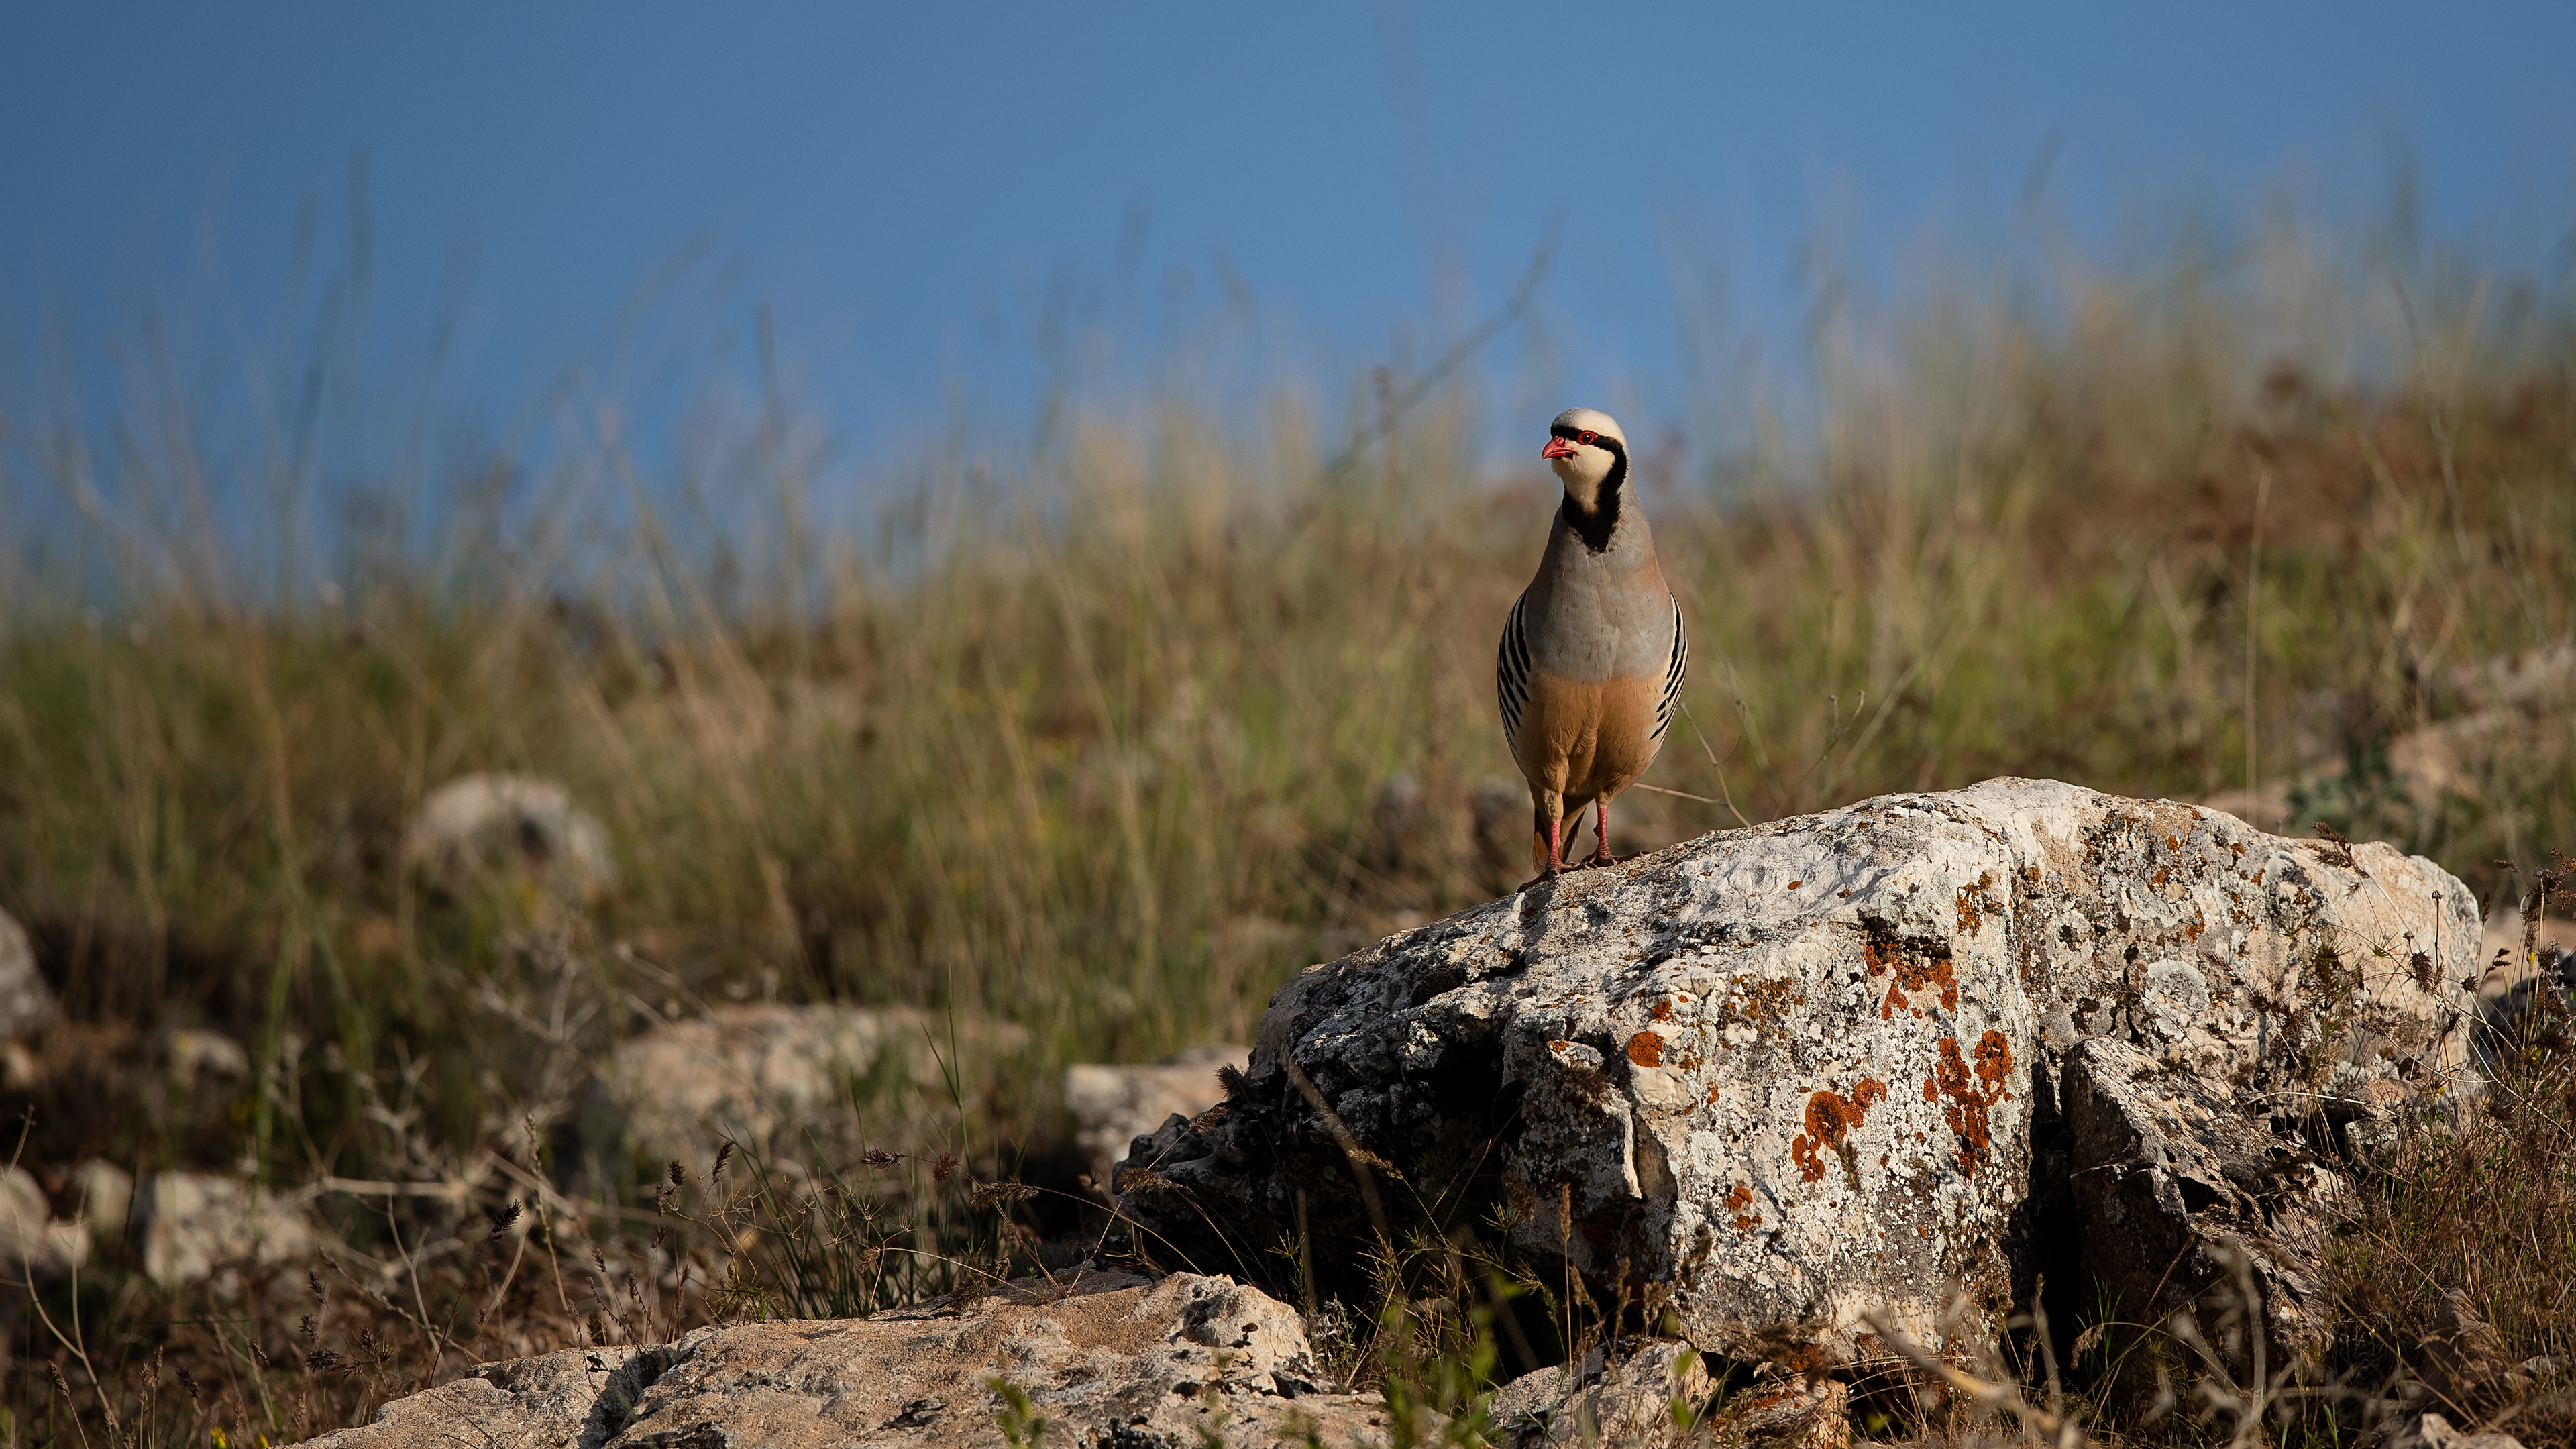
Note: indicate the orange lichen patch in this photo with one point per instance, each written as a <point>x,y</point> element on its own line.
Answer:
<point>1972,1094</point>
<point>1664,1009</point>
<point>1559,1047</point>
<point>1803,1152</point>
<point>1646,1049</point>
<point>1973,905</point>
<point>1712,1096</point>
<point>1830,1119</point>
<point>2158,878</point>
<point>1878,956</point>
<point>1994,1065</point>
<point>1793,885</point>
<point>1913,975</point>
<point>2173,842</point>
<point>1738,1198</point>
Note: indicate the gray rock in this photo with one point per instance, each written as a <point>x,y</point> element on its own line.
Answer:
<point>32,1244</point>
<point>480,830</point>
<point>27,1004</point>
<point>192,1225</point>
<point>1774,1079</point>
<point>200,1061</point>
<point>1107,1359</point>
<point>2432,1431</point>
<point>2175,1186</point>
<point>1112,1106</point>
<point>103,1194</point>
<point>1643,1398</point>
<point>2536,1014</point>
<point>1790,1413</point>
<point>789,1082</point>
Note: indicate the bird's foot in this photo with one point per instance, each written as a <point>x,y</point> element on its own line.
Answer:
<point>1540,879</point>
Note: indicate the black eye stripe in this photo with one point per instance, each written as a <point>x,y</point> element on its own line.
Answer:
<point>1586,436</point>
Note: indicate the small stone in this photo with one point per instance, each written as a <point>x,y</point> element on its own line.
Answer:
<point>1630,1401</point>
<point>194,1224</point>
<point>27,1004</point>
<point>479,830</point>
<point>201,1061</point>
<point>782,1079</point>
<point>31,1241</point>
<point>103,1194</point>
<point>1112,1106</point>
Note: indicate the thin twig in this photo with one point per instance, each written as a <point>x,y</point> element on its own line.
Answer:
<point>1360,1158</point>
<point>1727,794</point>
<point>1412,393</point>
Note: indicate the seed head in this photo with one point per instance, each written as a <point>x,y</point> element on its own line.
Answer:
<point>994,1194</point>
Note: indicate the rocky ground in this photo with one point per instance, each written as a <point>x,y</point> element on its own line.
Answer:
<point>1780,1113</point>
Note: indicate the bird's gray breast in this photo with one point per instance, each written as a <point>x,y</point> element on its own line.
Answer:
<point>1599,616</point>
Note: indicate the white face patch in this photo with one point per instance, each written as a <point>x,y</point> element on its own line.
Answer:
<point>1581,472</point>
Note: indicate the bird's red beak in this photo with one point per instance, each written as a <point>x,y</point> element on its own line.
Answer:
<point>1557,448</point>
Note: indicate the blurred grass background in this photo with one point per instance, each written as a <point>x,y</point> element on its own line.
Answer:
<point>1107,742</point>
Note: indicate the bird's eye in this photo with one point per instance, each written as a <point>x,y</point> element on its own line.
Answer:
<point>1585,437</point>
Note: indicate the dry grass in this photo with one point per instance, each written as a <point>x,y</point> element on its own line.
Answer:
<point>1102,744</point>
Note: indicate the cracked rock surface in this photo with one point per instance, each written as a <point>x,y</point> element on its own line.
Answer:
<point>1774,1079</point>
<point>1106,1359</point>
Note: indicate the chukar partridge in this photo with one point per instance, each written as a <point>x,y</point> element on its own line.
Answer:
<point>1592,657</point>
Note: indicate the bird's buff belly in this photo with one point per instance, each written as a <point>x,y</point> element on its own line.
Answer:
<point>1587,738</point>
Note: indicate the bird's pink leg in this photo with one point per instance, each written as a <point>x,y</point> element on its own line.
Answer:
<point>1556,845</point>
<point>1601,827</point>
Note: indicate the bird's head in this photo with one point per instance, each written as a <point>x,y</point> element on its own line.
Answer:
<point>1589,454</point>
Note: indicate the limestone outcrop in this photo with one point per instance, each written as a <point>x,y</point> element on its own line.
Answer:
<point>1102,1359</point>
<point>1776,1079</point>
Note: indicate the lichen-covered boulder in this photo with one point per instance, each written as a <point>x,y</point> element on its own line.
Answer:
<point>1779,1078</point>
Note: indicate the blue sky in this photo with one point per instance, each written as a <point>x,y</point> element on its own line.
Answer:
<point>915,191</point>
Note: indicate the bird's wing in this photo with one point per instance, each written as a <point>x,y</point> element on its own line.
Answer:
<point>1512,674</point>
<point>1675,666</point>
